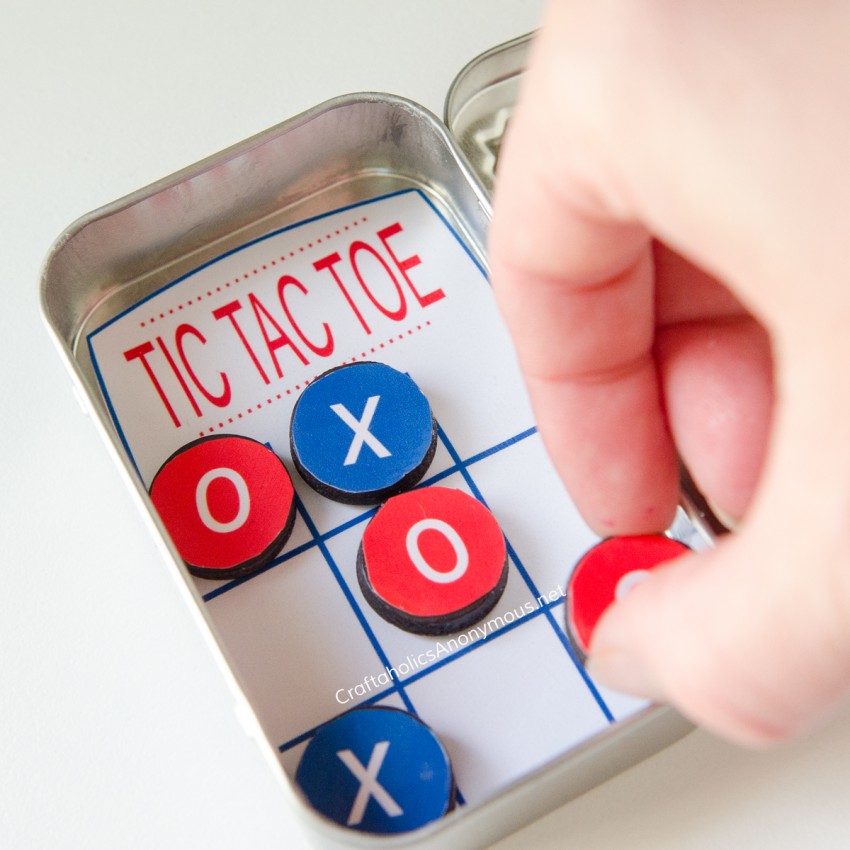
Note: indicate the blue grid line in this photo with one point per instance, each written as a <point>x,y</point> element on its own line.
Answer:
<point>399,687</point>
<point>509,627</point>
<point>305,736</point>
<point>562,637</point>
<point>528,580</point>
<point>315,540</point>
<point>544,609</point>
<point>230,585</point>
<point>389,690</point>
<point>505,444</point>
<point>361,617</point>
<point>345,526</point>
<point>319,539</point>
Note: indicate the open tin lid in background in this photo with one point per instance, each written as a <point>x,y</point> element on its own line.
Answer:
<point>480,102</point>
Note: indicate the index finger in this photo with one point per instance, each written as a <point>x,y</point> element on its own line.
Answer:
<point>575,283</point>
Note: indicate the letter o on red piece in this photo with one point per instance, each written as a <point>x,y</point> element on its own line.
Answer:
<point>432,561</point>
<point>228,504</point>
<point>605,573</point>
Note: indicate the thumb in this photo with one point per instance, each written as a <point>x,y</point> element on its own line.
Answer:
<point>740,639</point>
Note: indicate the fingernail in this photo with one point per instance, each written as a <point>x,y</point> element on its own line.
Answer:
<point>727,519</point>
<point>618,670</point>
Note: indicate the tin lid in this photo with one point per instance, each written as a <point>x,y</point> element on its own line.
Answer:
<point>480,101</point>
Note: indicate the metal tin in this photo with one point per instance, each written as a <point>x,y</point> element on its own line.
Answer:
<point>480,101</point>
<point>344,152</point>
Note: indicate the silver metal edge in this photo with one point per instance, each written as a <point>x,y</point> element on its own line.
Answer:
<point>566,777</point>
<point>465,85</point>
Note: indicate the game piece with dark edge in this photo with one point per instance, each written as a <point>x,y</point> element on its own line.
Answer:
<point>228,504</point>
<point>432,561</point>
<point>606,573</point>
<point>378,770</point>
<point>361,433</point>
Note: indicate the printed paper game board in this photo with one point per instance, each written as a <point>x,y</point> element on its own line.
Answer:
<point>229,348</point>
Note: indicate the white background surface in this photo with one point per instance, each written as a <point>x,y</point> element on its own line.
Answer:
<point>116,729</point>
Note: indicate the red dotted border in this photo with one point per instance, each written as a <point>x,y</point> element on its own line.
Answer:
<point>247,275</point>
<point>364,355</point>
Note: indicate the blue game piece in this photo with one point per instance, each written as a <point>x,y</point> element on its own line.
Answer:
<point>362,433</point>
<point>377,770</point>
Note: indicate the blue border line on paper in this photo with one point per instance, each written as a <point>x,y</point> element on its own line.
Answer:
<point>271,235</point>
<point>110,407</point>
<point>320,539</point>
<point>242,247</point>
<point>453,233</point>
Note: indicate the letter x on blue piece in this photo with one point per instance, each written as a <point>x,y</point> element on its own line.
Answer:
<point>362,432</point>
<point>377,770</point>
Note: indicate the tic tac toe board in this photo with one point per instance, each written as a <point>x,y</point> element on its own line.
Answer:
<point>228,347</point>
<point>203,305</point>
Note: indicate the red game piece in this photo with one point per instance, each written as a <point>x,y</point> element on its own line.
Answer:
<point>432,561</point>
<point>605,573</point>
<point>228,504</point>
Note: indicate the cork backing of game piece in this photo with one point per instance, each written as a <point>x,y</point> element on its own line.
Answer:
<point>227,355</point>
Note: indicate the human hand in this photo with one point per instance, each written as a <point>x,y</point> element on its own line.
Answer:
<point>658,149</point>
